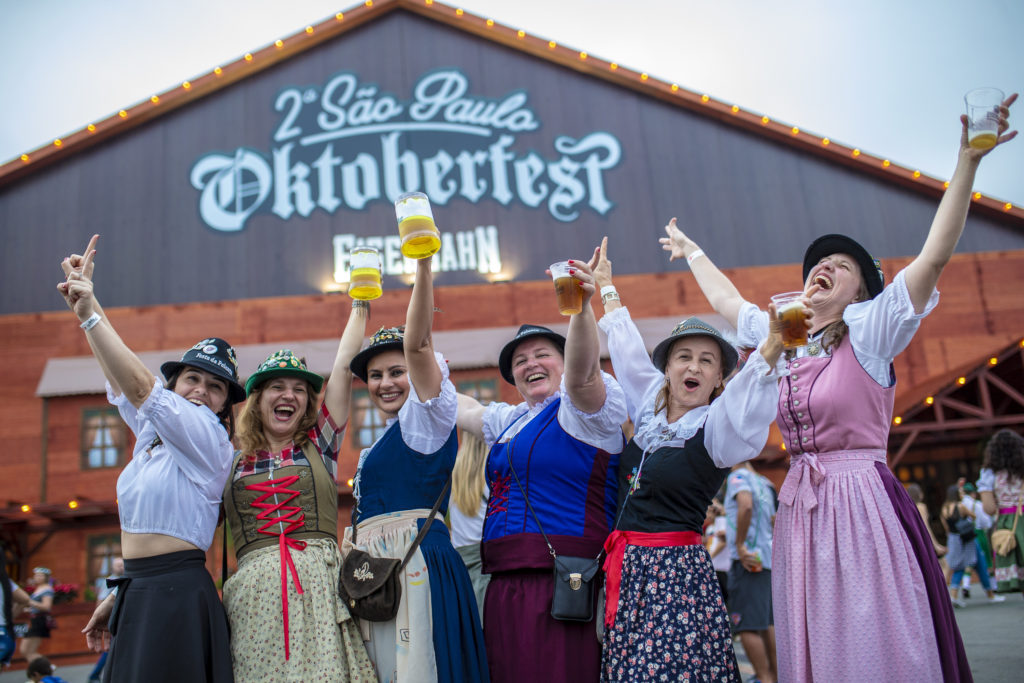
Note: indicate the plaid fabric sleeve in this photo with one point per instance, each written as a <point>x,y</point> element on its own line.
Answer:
<point>326,437</point>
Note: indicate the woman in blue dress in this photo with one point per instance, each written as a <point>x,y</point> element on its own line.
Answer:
<point>436,634</point>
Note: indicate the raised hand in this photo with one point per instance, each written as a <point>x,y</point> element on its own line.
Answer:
<point>582,273</point>
<point>77,289</point>
<point>600,266</point>
<point>1004,124</point>
<point>677,243</point>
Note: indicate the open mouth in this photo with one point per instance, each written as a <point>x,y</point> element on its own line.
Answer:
<point>823,281</point>
<point>390,396</point>
<point>691,383</point>
<point>284,413</point>
<point>195,401</point>
<point>535,377</point>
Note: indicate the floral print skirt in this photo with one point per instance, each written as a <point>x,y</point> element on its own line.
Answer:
<point>671,623</point>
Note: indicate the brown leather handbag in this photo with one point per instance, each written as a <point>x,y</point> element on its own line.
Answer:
<point>371,586</point>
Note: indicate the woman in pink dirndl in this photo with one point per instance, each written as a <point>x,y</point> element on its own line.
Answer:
<point>858,594</point>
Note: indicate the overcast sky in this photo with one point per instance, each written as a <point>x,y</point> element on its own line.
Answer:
<point>887,76</point>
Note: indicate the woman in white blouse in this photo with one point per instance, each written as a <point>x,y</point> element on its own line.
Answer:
<point>689,430</point>
<point>168,500</point>
<point>851,553</point>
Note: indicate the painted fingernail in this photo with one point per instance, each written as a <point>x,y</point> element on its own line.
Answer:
<point>571,261</point>
<point>572,271</point>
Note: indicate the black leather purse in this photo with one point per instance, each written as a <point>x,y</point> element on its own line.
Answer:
<point>370,586</point>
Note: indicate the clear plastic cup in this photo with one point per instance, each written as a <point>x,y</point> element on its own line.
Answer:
<point>420,237</point>
<point>983,117</point>
<point>364,268</point>
<point>568,289</point>
<point>790,309</point>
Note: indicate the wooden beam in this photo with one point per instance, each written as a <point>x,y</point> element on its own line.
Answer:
<point>904,448</point>
<point>1007,389</point>
<point>963,407</point>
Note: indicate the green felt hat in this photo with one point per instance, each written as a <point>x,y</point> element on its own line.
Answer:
<point>283,363</point>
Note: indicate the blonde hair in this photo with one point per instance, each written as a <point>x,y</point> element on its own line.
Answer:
<point>250,423</point>
<point>468,474</point>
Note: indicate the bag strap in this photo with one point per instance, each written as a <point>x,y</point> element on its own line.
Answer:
<point>508,455</point>
<point>423,530</point>
<point>1016,515</point>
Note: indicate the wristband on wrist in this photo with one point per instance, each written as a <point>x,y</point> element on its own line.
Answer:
<point>694,256</point>
<point>610,296</point>
<point>607,289</point>
<point>90,322</point>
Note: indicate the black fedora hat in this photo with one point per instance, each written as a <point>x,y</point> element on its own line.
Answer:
<point>693,327</point>
<point>525,332</point>
<point>384,339</point>
<point>870,269</point>
<point>215,356</point>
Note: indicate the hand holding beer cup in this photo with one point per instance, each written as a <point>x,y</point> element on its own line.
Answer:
<point>574,285</point>
<point>986,120</point>
<point>789,310</point>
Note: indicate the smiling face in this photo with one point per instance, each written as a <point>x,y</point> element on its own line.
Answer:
<point>387,378</point>
<point>840,284</point>
<point>40,578</point>
<point>282,404</point>
<point>694,370</point>
<point>537,366</point>
<point>201,388</point>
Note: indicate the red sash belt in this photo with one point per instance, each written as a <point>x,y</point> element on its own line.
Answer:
<point>281,519</point>
<point>615,547</point>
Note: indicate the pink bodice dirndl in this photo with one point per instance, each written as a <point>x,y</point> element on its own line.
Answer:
<point>849,598</point>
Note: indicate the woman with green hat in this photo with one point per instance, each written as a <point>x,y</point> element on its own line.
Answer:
<point>688,433</point>
<point>400,479</point>
<point>168,500</point>
<point>281,502</point>
<point>842,513</point>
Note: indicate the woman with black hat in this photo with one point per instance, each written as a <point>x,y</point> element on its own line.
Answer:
<point>552,477</point>
<point>851,553</point>
<point>402,490</point>
<point>288,622</point>
<point>688,433</point>
<point>168,499</point>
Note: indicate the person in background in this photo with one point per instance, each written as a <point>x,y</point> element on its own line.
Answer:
<point>715,533</point>
<point>103,590</point>
<point>39,605</point>
<point>982,552</point>
<point>468,509</point>
<point>40,670</point>
<point>1001,486</point>
<point>750,509</point>
<point>917,495</point>
<point>11,596</point>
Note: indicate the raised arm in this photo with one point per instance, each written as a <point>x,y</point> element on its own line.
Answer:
<point>923,272</point>
<point>470,417</point>
<point>338,394</point>
<point>122,367</point>
<point>582,371</point>
<point>419,349</point>
<point>719,290</point>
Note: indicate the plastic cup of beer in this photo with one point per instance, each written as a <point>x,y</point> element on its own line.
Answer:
<point>568,289</point>
<point>364,280</point>
<point>983,117</point>
<point>420,238</point>
<point>790,309</point>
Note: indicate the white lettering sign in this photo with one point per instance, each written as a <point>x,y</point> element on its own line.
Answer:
<point>347,145</point>
<point>475,249</point>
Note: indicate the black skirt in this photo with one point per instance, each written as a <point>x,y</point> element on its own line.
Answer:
<point>39,626</point>
<point>168,623</point>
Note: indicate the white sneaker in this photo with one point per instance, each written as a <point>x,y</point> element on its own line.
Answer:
<point>997,598</point>
<point>957,602</point>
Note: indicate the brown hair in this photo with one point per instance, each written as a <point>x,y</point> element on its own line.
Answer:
<point>250,423</point>
<point>226,414</point>
<point>468,474</point>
